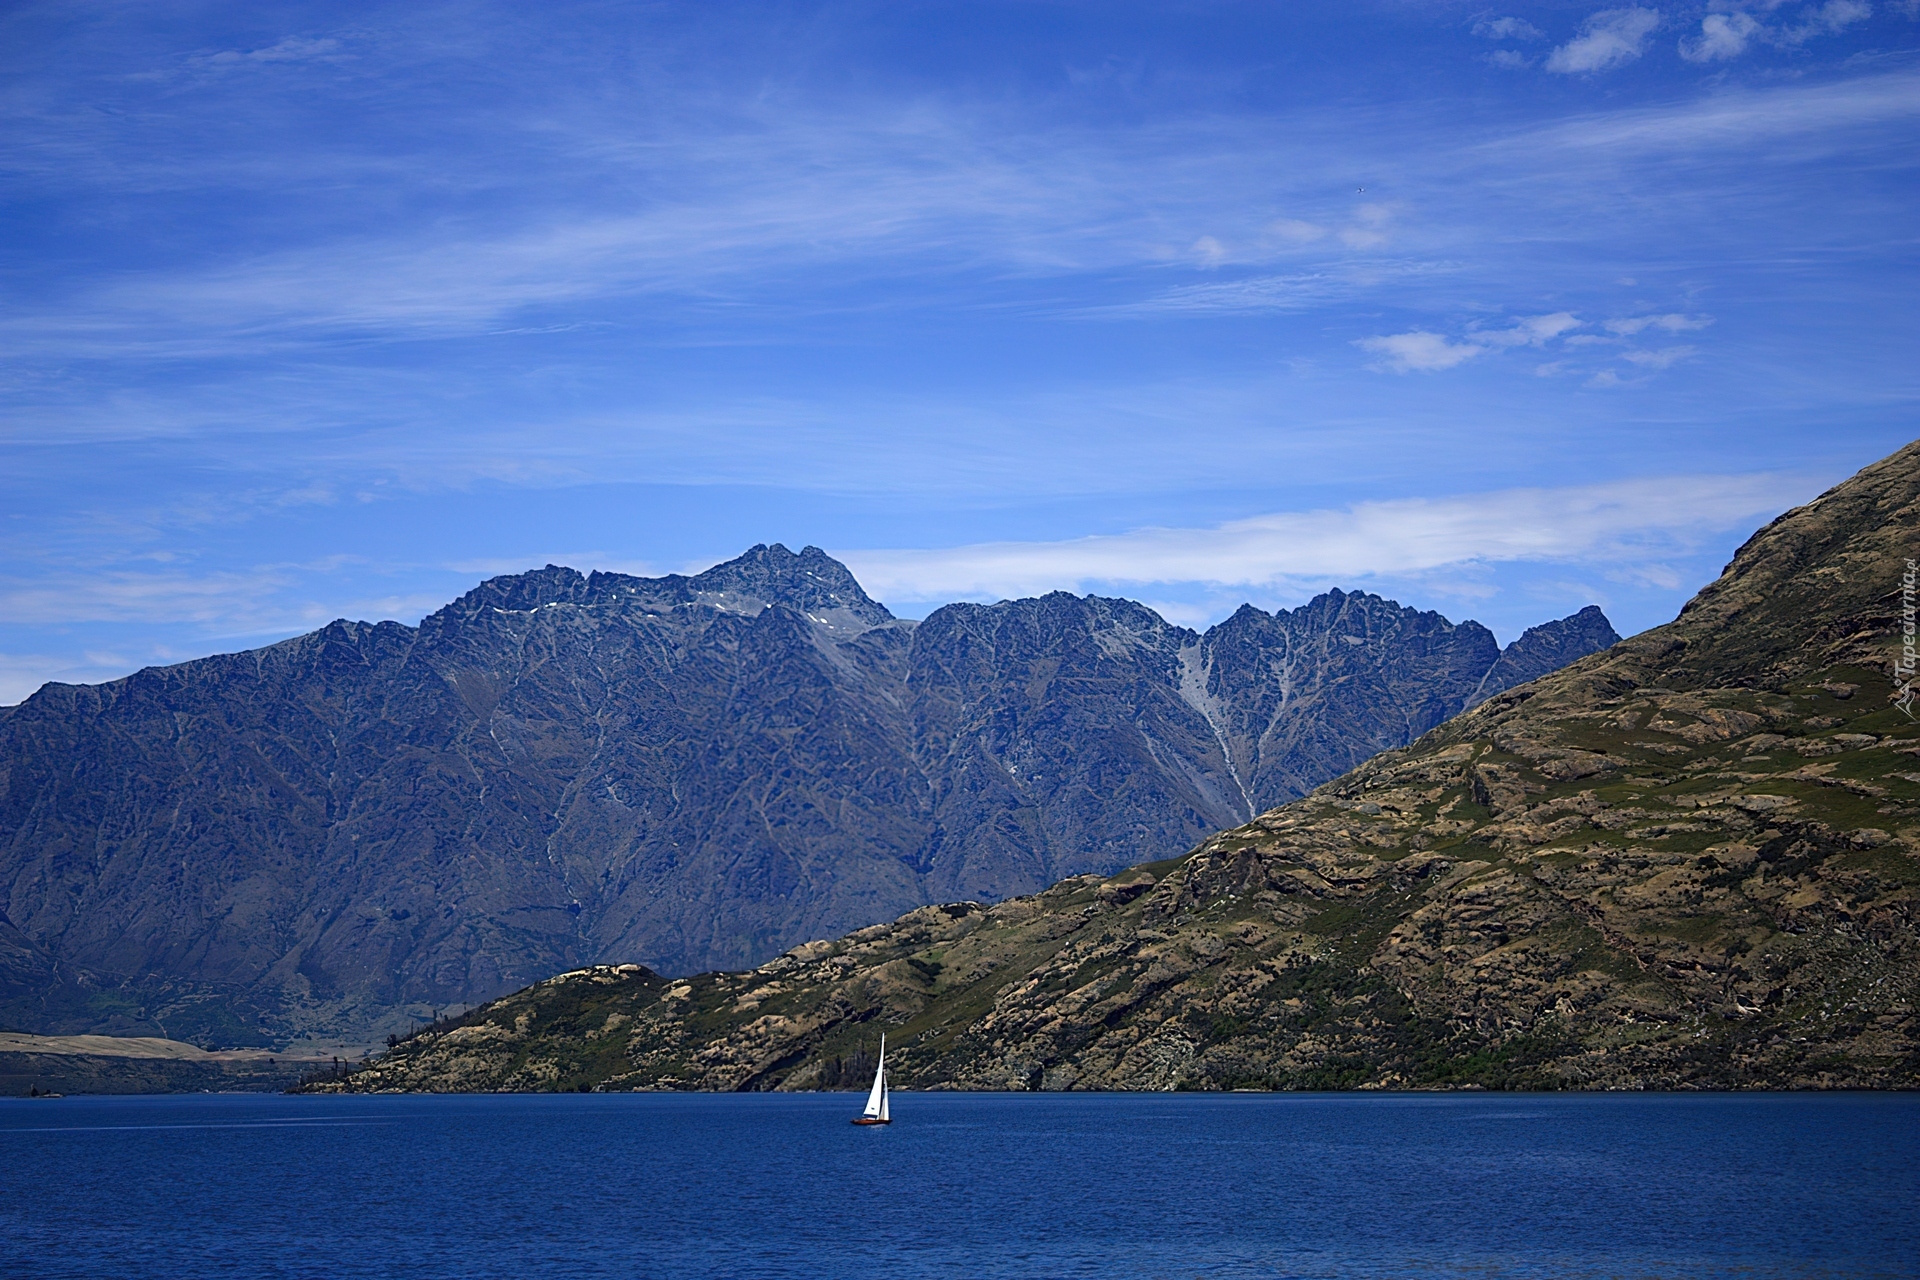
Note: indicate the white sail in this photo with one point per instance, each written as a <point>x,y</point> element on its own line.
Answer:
<point>877,1099</point>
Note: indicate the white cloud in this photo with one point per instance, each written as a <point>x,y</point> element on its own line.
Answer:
<point>1610,38</point>
<point>1662,359</point>
<point>1419,351</point>
<point>1831,18</point>
<point>1730,34</point>
<point>1722,35</point>
<point>1507,29</point>
<point>1530,331</point>
<point>1424,352</point>
<point>291,49</point>
<point>1625,523</point>
<point>1672,323</point>
<point>1508,58</point>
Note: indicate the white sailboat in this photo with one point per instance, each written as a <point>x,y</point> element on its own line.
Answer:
<point>876,1112</point>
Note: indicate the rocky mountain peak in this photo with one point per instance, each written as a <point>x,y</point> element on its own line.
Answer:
<point>708,768</point>
<point>1817,586</point>
<point>519,592</point>
<point>810,581</point>
<point>1545,648</point>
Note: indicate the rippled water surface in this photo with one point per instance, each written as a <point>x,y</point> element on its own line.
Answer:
<point>1311,1185</point>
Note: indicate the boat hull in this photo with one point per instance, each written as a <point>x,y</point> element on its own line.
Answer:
<point>871,1120</point>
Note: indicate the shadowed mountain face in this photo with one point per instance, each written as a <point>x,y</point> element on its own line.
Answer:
<point>691,772</point>
<point>1691,861</point>
<point>1545,649</point>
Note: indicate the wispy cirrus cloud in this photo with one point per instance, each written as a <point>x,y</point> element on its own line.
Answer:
<point>408,286</point>
<point>1723,123</point>
<point>133,595</point>
<point>288,49</point>
<point>1616,524</point>
<point>235,602</point>
<point>759,195</point>
<point>750,199</point>
<point>1293,291</point>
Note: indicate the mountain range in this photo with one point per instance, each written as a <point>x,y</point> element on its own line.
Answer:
<point>341,832</point>
<point>1689,861</point>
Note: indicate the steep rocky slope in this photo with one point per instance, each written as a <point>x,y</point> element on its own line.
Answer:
<point>357,825</point>
<point>1690,861</point>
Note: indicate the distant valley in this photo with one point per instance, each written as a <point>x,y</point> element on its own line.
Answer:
<point>338,833</point>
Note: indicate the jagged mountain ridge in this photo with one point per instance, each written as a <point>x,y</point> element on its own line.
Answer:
<point>1690,861</point>
<point>694,771</point>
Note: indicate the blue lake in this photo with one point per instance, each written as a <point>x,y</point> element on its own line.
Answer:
<point>1176,1186</point>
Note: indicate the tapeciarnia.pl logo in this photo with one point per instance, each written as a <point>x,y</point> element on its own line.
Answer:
<point>1903,666</point>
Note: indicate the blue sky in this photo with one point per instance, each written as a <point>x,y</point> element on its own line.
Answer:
<point>330,310</point>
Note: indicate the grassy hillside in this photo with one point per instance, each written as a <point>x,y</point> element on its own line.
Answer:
<point>1690,861</point>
